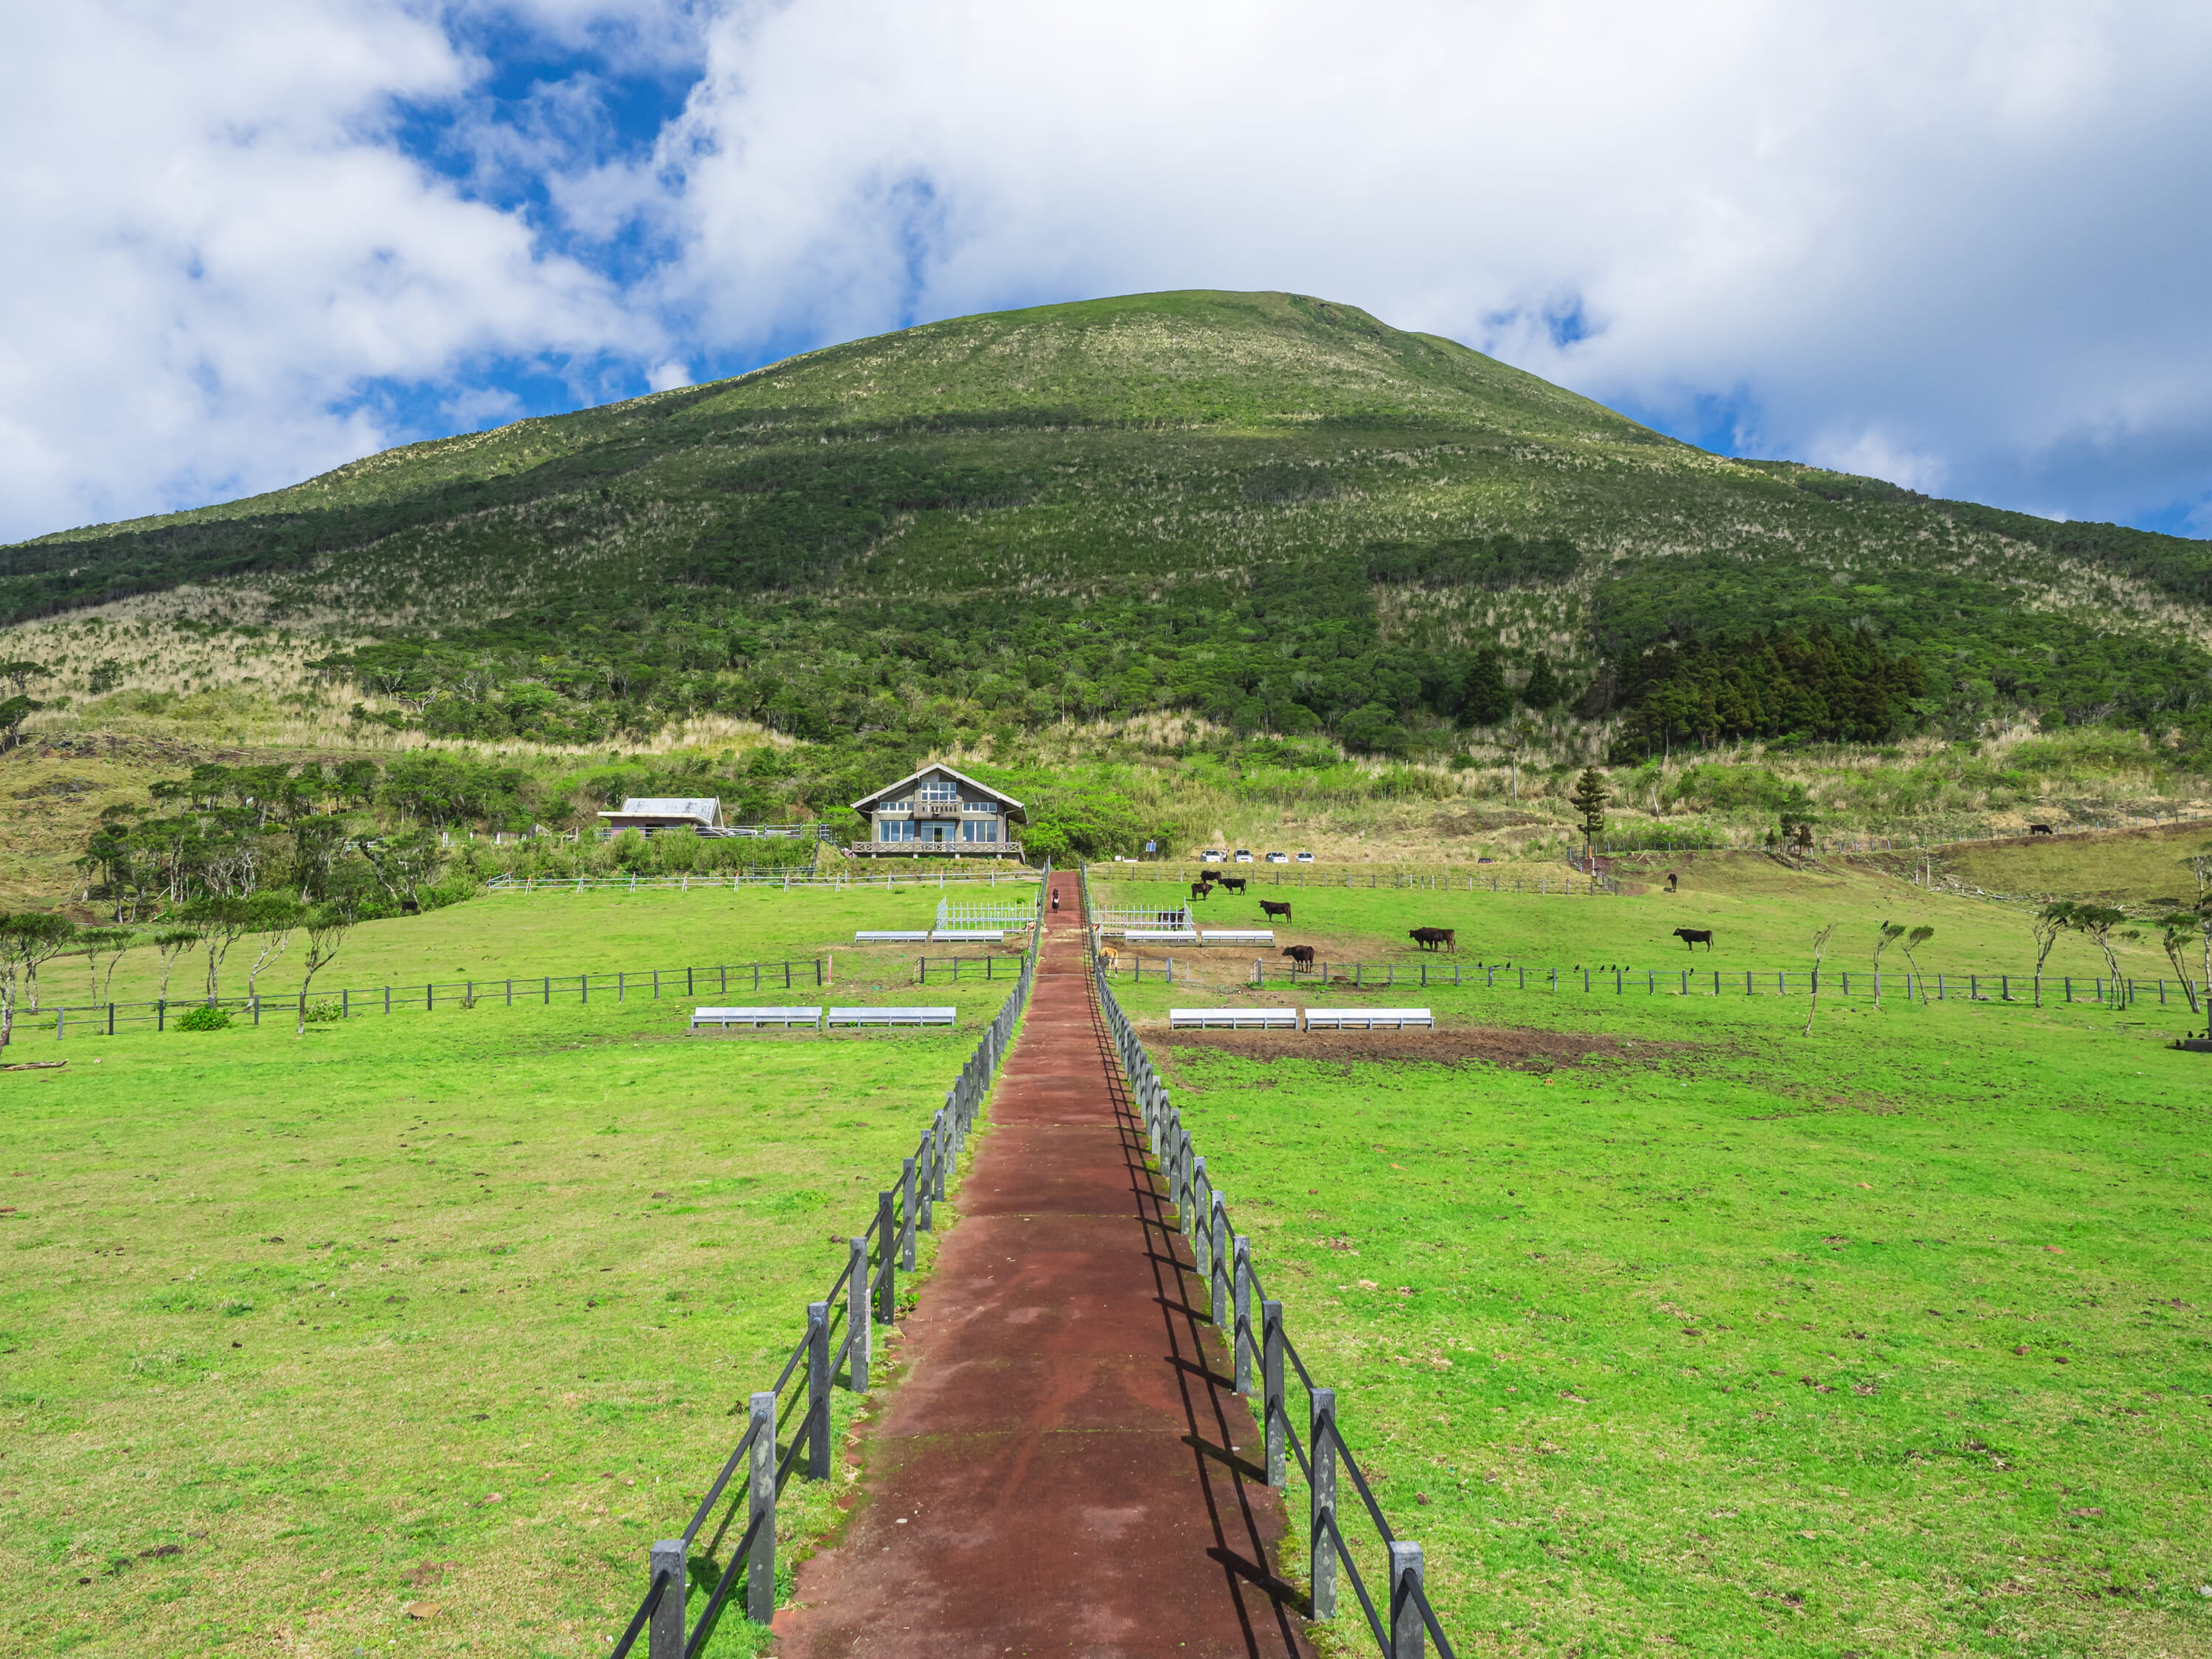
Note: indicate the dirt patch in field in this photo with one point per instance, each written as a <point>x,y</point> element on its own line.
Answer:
<point>1518,1048</point>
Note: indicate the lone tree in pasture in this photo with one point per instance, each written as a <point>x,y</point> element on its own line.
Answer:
<point>2180,932</point>
<point>1910,943</point>
<point>27,940</point>
<point>172,945</point>
<point>221,921</point>
<point>2047,924</point>
<point>327,928</point>
<point>2200,866</point>
<point>2098,924</point>
<point>1589,800</point>
<point>109,943</point>
<point>1887,935</point>
<point>275,916</point>
<point>1820,948</point>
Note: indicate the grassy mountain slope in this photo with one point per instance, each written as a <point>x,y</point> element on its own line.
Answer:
<point>1268,509</point>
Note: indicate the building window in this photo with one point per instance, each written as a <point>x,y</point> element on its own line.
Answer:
<point>937,792</point>
<point>990,806</point>
<point>894,828</point>
<point>985,830</point>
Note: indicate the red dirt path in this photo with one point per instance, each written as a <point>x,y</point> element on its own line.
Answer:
<point>1065,1468</point>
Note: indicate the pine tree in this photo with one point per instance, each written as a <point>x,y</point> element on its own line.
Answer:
<point>1589,799</point>
<point>1543,690</point>
<point>1485,699</point>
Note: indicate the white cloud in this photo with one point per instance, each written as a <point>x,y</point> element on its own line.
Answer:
<point>217,244</point>
<point>1973,230</point>
<point>666,377</point>
<point>1962,245</point>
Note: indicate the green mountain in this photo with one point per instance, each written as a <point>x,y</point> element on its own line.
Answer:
<point>1266,509</point>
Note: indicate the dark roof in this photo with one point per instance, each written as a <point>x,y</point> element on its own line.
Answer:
<point>912,777</point>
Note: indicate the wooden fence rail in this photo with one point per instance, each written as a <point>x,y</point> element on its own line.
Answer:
<point>864,1294</point>
<point>1263,1358</point>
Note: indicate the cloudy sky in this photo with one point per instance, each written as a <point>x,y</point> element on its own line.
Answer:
<point>1966,247</point>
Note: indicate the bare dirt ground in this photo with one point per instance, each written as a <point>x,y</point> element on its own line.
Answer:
<point>1517,1047</point>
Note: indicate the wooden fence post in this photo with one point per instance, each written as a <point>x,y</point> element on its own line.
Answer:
<point>1272,1423</point>
<point>857,1333</point>
<point>1220,1266</point>
<point>887,1244</point>
<point>1241,1308</point>
<point>665,1635</point>
<point>1408,1635</point>
<point>907,1215</point>
<point>818,1390</point>
<point>1320,1515</point>
<point>760,1490</point>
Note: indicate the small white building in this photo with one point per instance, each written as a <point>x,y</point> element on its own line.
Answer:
<point>939,812</point>
<point>650,814</point>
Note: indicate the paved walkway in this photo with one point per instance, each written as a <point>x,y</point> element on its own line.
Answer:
<point>1064,1468</point>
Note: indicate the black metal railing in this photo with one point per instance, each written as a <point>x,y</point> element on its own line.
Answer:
<point>864,1294</point>
<point>1224,1257</point>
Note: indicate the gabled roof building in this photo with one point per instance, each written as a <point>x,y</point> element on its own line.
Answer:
<point>939,812</point>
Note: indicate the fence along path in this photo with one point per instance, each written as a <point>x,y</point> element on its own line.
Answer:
<point>1067,1468</point>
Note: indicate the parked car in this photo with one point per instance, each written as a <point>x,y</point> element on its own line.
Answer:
<point>1211,855</point>
<point>1305,858</point>
<point>1243,855</point>
<point>1278,858</point>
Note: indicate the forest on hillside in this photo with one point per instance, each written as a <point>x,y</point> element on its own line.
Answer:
<point>1265,511</point>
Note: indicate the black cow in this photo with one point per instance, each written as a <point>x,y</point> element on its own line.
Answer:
<point>1232,883</point>
<point>1272,910</point>
<point>1198,890</point>
<point>1301,955</point>
<point>1693,937</point>
<point>1429,939</point>
<point>2038,829</point>
<point>1671,879</point>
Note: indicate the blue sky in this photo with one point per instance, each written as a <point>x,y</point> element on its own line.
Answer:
<point>1942,245</point>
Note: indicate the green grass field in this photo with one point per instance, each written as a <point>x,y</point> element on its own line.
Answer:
<point>282,1316</point>
<point>1667,1326</point>
<point>1762,915</point>
<point>497,937</point>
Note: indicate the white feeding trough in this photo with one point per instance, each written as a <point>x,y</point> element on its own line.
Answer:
<point>1370,1019</point>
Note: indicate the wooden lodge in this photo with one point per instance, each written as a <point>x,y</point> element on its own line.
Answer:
<point>939,813</point>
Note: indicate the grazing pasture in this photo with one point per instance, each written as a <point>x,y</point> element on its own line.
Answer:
<point>1762,916</point>
<point>446,1310</point>
<point>527,936</point>
<point>1669,1326</point>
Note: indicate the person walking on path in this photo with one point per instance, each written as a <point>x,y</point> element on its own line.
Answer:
<point>1064,1467</point>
